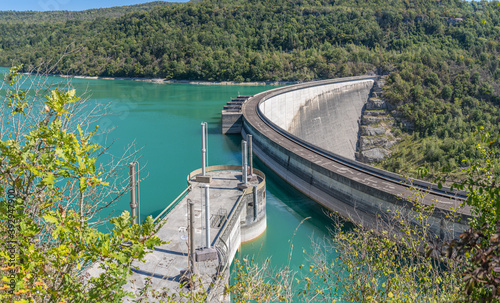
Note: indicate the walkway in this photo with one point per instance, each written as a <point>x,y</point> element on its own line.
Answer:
<point>164,265</point>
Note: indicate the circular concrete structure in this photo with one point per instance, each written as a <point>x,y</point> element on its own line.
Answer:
<point>307,134</point>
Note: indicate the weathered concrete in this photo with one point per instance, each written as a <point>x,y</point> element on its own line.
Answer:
<point>231,121</point>
<point>232,222</point>
<point>355,190</point>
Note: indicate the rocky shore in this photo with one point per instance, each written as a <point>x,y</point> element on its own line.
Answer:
<point>165,81</point>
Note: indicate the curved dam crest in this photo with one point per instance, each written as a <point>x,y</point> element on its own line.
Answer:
<point>326,116</point>
<point>307,134</point>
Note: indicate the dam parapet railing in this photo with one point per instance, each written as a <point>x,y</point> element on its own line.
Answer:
<point>291,157</point>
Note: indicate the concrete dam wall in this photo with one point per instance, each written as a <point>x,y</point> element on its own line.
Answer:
<point>326,115</point>
<point>307,134</point>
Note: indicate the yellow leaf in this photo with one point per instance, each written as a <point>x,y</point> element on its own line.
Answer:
<point>21,291</point>
<point>390,295</point>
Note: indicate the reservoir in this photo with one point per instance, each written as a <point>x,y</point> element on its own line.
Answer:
<point>164,122</point>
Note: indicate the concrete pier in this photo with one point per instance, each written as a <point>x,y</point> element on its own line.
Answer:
<point>236,216</point>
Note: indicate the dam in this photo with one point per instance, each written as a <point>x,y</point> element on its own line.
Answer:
<point>307,134</point>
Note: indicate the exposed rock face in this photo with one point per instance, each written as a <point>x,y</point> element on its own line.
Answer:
<point>375,103</point>
<point>368,142</point>
<point>374,155</point>
<point>372,130</point>
<point>375,135</point>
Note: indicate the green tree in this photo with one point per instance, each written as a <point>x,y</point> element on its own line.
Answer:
<point>49,181</point>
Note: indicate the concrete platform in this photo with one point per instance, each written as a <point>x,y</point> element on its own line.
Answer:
<point>163,266</point>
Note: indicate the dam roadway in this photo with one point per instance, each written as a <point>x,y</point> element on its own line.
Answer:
<point>358,192</point>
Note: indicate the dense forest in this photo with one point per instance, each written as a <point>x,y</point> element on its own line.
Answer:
<point>63,16</point>
<point>442,57</point>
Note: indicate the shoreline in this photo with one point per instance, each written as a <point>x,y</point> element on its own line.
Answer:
<point>165,81</point>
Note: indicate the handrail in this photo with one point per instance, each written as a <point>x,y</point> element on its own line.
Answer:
<point>173,204</point>
<point>196,172</point>
<point>223,230</point>
<point>208,169</point>
<point>231,217</point>
<point>220,239</point>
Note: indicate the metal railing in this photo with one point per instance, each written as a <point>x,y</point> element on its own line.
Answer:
<point>222,247</point>
<point>189,186</point>
<point>172,205</point>
<point>220,244</point>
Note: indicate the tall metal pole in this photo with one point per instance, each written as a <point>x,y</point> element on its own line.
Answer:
<point>203,148</point>
<point>191,236</point>
<point>245,161</point>
<point>250,154</point>
<point>133,203</point>
<point>255,202</point>
<point>138,187</point>
<point>207,214</point>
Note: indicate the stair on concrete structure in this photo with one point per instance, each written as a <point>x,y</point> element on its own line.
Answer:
<point>232,116</point>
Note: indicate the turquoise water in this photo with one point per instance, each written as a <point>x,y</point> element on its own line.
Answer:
<point>164,120</point>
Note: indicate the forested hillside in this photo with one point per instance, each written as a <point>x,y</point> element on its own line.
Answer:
<point>62,16</point>
<point>442,56</point>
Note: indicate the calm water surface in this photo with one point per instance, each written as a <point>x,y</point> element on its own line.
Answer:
<point>164,120</point>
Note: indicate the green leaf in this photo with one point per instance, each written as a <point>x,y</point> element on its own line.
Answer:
<point>50,219</point>
<point>83,184</point>
<point>121,257</point>
<point>422,172</point>
<point>64,173</point>
<point>49,179</point>
<point>60,153</point>
<point>81,164</point>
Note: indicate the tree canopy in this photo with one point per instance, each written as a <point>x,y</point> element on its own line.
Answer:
<point>443,56</point>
